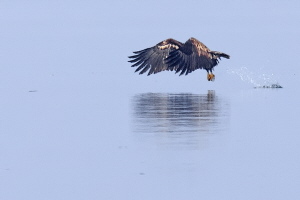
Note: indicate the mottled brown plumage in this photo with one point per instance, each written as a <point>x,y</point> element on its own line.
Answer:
<point>175,56</point>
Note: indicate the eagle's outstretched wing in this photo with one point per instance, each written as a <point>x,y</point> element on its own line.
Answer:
<point>190,56</point>
<point>153,58</point>
<point>173,55</point>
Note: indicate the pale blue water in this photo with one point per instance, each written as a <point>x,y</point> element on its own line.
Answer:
<point>77,123</point>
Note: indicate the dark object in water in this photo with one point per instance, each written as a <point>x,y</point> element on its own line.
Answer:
<point>270,86</point>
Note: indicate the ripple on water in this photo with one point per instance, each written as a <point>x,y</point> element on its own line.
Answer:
<point>181,117</point>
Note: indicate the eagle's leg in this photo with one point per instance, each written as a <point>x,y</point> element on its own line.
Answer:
<point>210,75</point>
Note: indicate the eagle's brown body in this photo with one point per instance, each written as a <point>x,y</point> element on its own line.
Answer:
<point>172,55</point>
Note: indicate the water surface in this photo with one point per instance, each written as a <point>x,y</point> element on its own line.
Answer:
<point>182,119</point>
<point>77,123</point>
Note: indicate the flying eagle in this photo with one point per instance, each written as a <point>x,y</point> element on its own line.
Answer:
<point>172,55</point>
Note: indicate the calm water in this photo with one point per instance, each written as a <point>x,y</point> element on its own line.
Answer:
<point>77,123</point>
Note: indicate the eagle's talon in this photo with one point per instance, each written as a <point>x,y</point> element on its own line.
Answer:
<point>210,77</point>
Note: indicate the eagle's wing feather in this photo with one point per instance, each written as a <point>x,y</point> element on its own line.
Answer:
<point>153,58</point>
<point>189,57</point>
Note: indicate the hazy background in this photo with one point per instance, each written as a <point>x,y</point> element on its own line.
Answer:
<point>77,123</point>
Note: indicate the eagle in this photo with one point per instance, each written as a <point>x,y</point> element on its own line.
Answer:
<point>173,55</point>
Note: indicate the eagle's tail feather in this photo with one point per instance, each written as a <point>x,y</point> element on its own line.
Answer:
<point>220,54</point>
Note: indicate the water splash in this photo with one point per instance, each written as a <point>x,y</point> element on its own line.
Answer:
<point>258,79</point>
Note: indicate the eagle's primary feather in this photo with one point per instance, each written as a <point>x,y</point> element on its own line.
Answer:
<point>175,56</point>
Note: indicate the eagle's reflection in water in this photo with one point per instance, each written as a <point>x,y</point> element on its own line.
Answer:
<point>184,117</point>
